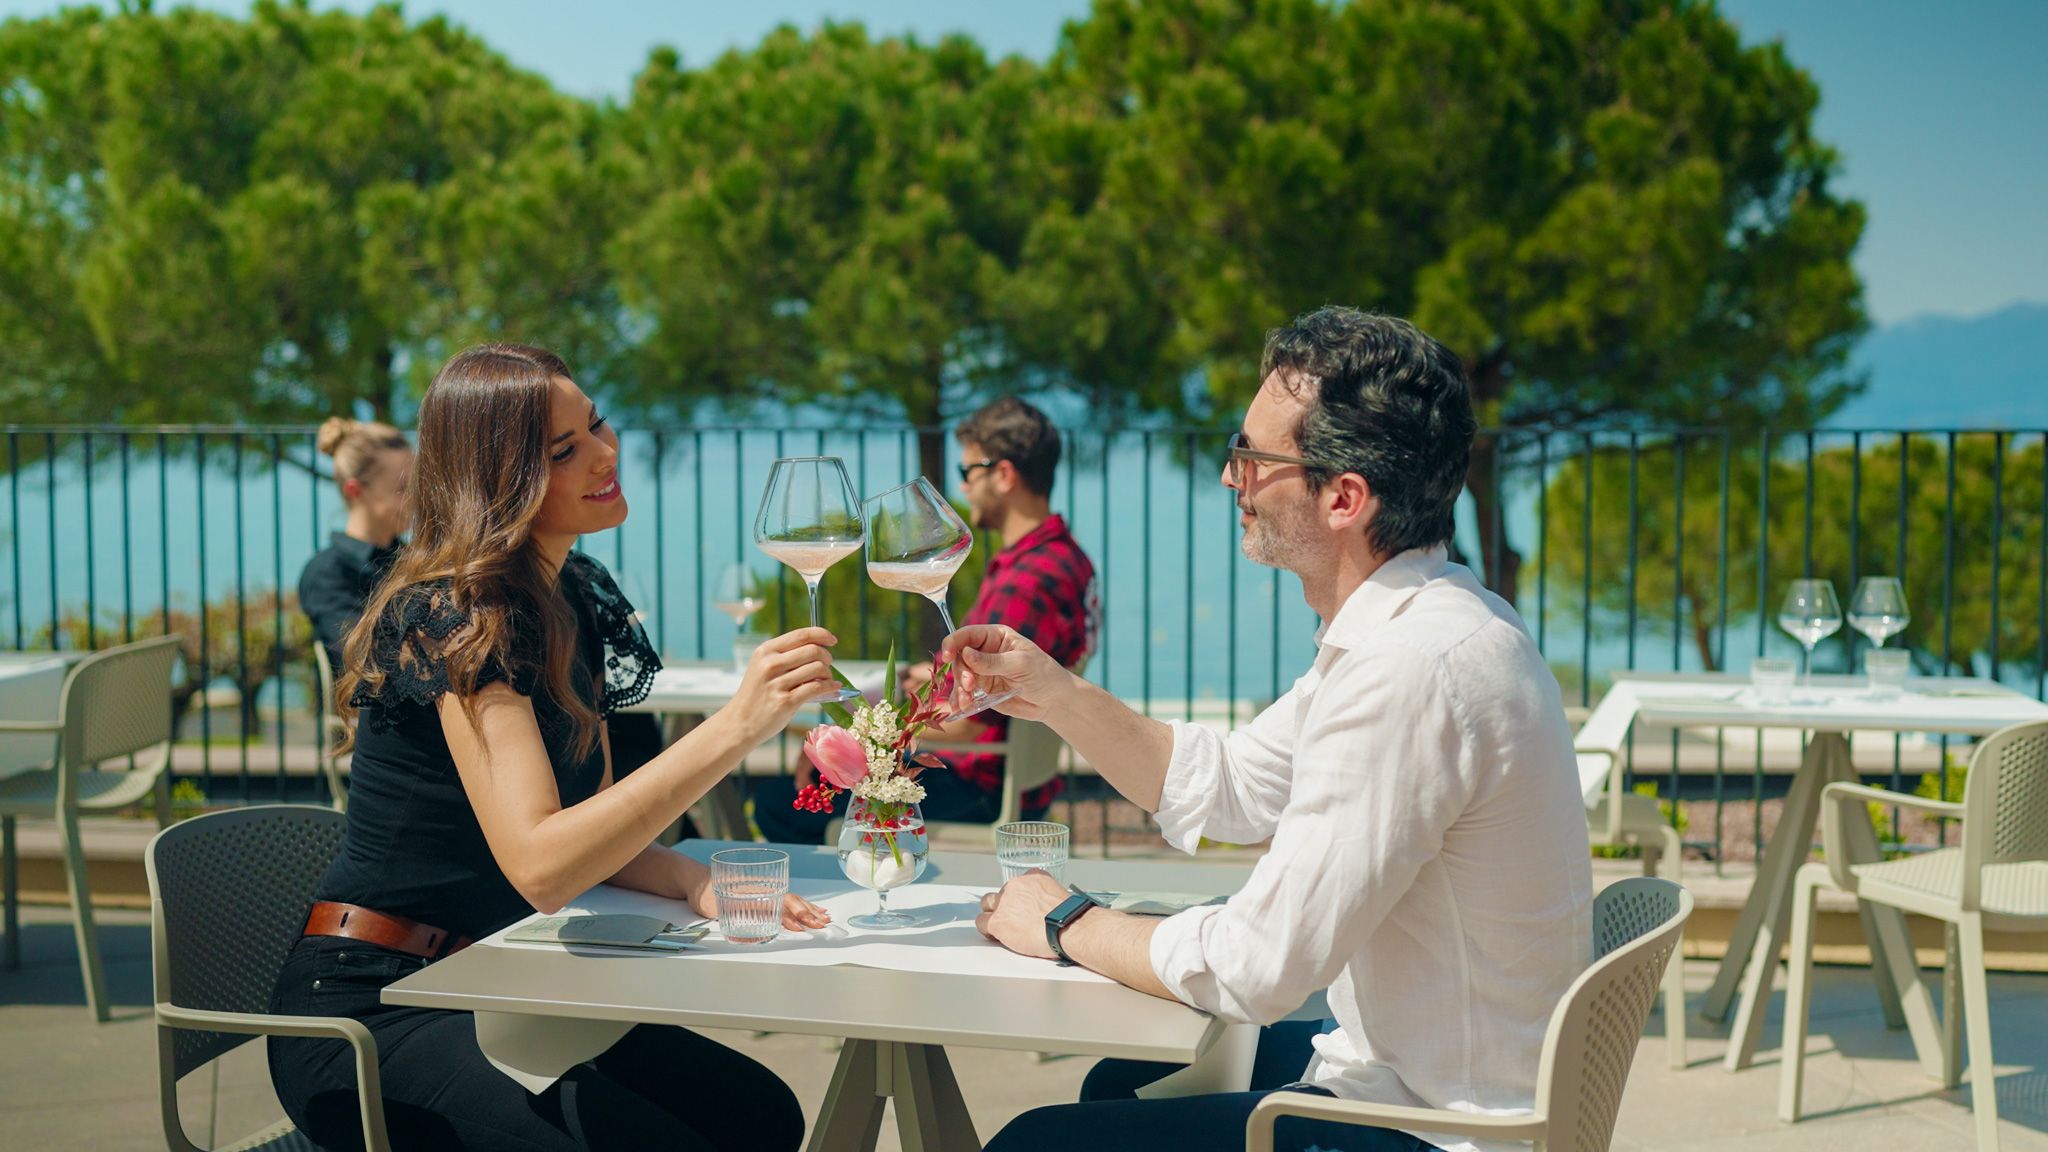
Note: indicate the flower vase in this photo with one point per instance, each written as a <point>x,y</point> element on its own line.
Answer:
<point>882,847</point>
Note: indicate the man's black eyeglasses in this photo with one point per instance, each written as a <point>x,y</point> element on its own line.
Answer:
<point>967,470</point>
<point>1241,451</point>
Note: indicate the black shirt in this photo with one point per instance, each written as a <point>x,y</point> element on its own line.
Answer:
<point>412,846</point>
<point>337,583</point>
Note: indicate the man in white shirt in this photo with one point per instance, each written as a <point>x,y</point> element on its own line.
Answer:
<point>1428,862</point>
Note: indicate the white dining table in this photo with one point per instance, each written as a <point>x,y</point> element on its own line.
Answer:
<point>1829,708</point>
<point>31,684</point>
<point>898,1005</point>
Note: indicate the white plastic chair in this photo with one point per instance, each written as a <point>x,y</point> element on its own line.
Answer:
<point>1997,879</point>
<point>228,894</point>
<point>333,730</point>
<point>1031,759</point>
<point>1637,821</point>
<point>115,704</point>
<point>1586,1054</point>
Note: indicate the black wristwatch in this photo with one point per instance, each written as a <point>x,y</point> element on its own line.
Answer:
<point>1056,921</point>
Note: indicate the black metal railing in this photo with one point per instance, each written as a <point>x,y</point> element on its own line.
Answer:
<point>1629,548</point>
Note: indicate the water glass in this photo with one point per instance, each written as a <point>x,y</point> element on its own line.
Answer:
<point>1772,679</point>
<point>1887,668</point>
<point>1028,844</point>
<point>750,884</point>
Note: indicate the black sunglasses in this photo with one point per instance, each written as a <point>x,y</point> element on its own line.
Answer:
<point>967,470</point>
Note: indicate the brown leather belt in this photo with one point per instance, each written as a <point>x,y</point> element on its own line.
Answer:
<point>382,929</point>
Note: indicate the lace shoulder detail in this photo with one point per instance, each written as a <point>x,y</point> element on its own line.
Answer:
<point>407,648</point>
<point>630,660</point>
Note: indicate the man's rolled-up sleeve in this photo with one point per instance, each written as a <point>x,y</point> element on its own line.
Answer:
<point>1377,780</point>
<point>1228,788</point>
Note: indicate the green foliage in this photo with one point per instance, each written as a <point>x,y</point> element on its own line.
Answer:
<point>1664,808</point>
<point>1601,208</point>
<point>241,645</point>
<point>274,218</point>
<point>1611,209</point>
<point>1771,528</point>
<point>188,799</point>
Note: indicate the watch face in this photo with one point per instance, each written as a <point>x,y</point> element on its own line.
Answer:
<point>1070,908</point>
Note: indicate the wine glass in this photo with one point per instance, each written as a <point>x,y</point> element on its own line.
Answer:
<point>736,596</point>
<point>1810,613</point>
<point>916,542</point>
<point>1878,609</point>
<point>810,520</point>
<point>635,589</point>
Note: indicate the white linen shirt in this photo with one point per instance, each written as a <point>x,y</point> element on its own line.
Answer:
<point>1429,863</point>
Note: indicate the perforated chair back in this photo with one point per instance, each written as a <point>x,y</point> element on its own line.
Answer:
<point>1594,1031</point>
<point>117,703</point>
<point>228,896</point>
<point>1033,761</point>
<point>2005,803</point>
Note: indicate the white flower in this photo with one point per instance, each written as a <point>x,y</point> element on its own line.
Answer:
<point>889,789</point>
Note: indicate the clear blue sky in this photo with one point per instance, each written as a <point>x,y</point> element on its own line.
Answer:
<point>1937,108</point>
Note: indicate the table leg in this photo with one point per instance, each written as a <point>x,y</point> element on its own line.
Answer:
<point>1760,930</point>
<point>1904,996</point>
<point>10,951</point>
<point>851,1118</point>
<point>931,1115</point>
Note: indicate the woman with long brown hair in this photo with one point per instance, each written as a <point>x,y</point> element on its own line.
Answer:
<point>481,674</point>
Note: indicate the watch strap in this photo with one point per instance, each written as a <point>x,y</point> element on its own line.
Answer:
<point>1056,921</point>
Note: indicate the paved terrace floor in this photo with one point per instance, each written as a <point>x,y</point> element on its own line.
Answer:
<point>68,1083</point>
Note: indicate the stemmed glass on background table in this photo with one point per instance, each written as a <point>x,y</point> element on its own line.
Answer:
<point>1878,610</point>
<point>1810,613</point>
<point>915,543</point>
<point>810,520</point>
<point>735,596</point>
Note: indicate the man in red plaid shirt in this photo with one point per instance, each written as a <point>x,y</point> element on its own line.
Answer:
<point>1040,584</point>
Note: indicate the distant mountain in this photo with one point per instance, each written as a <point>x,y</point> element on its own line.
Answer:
<point>1988,371</point>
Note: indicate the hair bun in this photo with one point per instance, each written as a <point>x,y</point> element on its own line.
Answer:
<point>332,433</point>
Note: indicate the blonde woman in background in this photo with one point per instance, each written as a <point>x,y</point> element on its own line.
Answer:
<point>373,469</point>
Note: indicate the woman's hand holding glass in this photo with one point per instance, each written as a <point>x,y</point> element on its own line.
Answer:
<point>787,673</point>
<point>798,914</point>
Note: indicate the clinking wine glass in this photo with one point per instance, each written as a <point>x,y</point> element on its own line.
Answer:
<point>916,542</point>
<point>1810,613</point>
<point>810,520</point>
<point>1878,609</point>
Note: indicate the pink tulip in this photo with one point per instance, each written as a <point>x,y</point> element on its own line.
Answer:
<point>837,755</point>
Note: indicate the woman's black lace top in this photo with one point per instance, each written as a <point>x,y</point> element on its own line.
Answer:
<point>413,846</point>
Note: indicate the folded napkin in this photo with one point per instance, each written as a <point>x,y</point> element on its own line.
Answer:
<point>611,930</point>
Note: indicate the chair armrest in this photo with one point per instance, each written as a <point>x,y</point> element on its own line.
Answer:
<point>31,725</point>
<point>1840,799</point>
<point>1844,791</point>
<point>369,1086</point>
<point>1258,1131</point>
